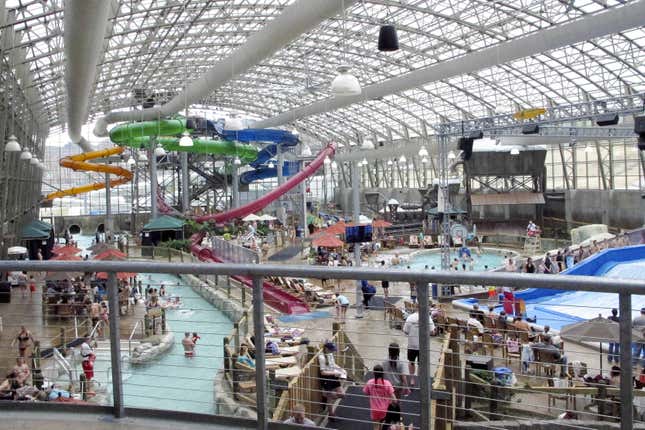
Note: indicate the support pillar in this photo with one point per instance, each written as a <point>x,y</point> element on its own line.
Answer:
<point>303,193</point>
<point>282,215</point>
<point>109,227</point>
<point>115,347</point>
<point>152,159</point>
<point>425,381</point>
<point>356,211</point>
<point>260,365</point>
<point>626,372</point>
<point>185,183</point>
<point>235,186</point>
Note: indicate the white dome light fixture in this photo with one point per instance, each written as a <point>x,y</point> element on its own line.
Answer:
<point>306,151</point>
<point>423,152</point>
<point>451,155</point>
<point>185,140</point>
<point>131,161</point>
<point>25,155</point>
<point>367,145</point>
<point>588,149</point>
<point>271,165</point>
<point>402,160</point>
<point>364,162</point>
<point>159,151</point>
<point>345,84</point>
<point>143,157</point>
<point>237,161</point>
<point>295,132</point>
<point>34,161</point>
<point>424,160</point>
<point>515,151</point>
<point>390,162</point>
<point>12,145</point>
<point>334,164</point>
<point>326,161</point>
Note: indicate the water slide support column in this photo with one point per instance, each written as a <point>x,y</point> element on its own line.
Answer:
<point>625,339</point>
<point>115,347</point>
<point>185,183</point>
<point>152,159</point>
<point>282,216</point>
<point>235,185</point>
<point>356,209</point>
<point>109,227</point>
<point>303,190</point>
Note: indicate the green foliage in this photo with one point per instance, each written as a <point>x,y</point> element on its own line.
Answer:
<point>181,244</point>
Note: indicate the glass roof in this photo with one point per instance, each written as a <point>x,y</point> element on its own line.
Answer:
<point>157,46</point>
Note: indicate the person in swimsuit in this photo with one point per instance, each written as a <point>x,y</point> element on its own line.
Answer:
<point>24,339</point>
<point>188,344</point>
<point>21,370</point>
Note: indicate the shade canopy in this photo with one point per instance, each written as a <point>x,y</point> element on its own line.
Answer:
<point>327,241</point>
<point>597,329</point>
<point>251,218</point>
<point>66,257</point>
<point>16,250</point>
<point>66,250</point>
<point>380,223</point>
<point>33,231</point>
<point>111,255</point>
<point>267,217</point>
<point>97,248</point>
<point>164,222</point>
<point>338,228</point>
<point>121,276</point>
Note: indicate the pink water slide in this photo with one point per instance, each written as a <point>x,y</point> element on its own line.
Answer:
<point>273,296</point>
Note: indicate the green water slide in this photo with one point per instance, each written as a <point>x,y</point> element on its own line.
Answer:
<point>140,134</point>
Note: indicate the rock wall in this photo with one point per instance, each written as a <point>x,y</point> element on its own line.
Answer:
<point>233,310</point>
<point>152,348</point>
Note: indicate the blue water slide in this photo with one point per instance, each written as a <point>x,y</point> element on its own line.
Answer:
<point>289,168</point>
<point>271,135</point>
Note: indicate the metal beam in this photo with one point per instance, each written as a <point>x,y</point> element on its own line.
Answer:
<point>588,27</point>
<point>296,19</point>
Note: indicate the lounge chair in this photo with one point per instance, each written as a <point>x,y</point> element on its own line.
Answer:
<point>414,241</point>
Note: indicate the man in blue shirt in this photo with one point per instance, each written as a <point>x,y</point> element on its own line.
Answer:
<point>368,292</point>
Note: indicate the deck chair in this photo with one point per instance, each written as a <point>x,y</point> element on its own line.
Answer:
<point>428,242</point>
<point>413,241</point>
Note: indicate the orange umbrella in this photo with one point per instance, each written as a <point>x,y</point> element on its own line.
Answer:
<point>66,250</point>
<point>327,241</point>
<point>338,228</point>
<point>380,223</point>
<point>66,257</point>
<point>121,276</point>
<point>111,255</point>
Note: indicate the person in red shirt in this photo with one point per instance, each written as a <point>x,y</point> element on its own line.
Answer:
<point>381,394</point>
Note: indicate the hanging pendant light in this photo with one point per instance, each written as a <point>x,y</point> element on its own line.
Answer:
<point>237,161</point>
<point>143,157</point>
<point>12,145</point>
<point>451,155</point>
<point>131,161</point>
<point>159,151</point>
<point>515,151</point>
<point>424,160</point>
<point>271,165</point>
<point>390,162</point>
<point>364,162</point>
<point>25,155</point>
<point>388,40</point>
<point>34,161</point>
<point>345,84</point>
<point>185,140</point>
<point>423,152</point>
<point>334,164</point>
<point>402,160</point>
<point>327,161</point>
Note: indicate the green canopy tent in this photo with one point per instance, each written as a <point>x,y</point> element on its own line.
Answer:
<point>38,235</point>
<point>162,229</point>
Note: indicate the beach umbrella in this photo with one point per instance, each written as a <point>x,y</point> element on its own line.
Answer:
<point>380,223</point>
<point>121,276</point>
<point>597,329</point>
<point>338,228</point>
<point>97,248</point>
<point>66,257</point>
<point>327,241</point>
<point>16,250</point>
<point>267,217</point>
<point>66,250</point>
<point>111,255</point>
<point>251,218</point>
<point>362,219</point>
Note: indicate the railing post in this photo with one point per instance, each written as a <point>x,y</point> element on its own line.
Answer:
<point>115,346</point>
<point>626,393</point>
<point>260,373</point>
<point>424,355</point>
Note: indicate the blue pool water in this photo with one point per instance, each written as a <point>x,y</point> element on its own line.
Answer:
<point>490,258</point>
<point>174,382</point>
<point>559,308</point>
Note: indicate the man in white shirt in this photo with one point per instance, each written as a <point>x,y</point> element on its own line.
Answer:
<point>298,417</point>
<point>411,329</point>
<point>88,357</point>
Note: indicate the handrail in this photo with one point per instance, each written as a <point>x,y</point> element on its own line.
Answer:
<point>134,329</point>
<point>94,329</point>
<point>65,365</point>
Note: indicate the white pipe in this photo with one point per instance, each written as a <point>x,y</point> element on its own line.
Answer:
<point>296,19</point>
<point>612,21</point>
<point>85,24</point>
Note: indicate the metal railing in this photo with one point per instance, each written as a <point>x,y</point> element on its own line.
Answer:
<point>422,279</point>
<point>233,252</point>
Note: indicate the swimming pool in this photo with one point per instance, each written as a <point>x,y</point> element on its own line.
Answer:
<point>489,257</point>
<point>174,382</point>
<point>559,308</point>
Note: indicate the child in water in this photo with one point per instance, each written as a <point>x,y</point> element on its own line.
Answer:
<point>196,337</point>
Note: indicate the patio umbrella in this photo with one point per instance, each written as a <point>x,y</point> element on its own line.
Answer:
<point>66,250</point>
<point>60,276</point>
<point>97,248</point>
<point>111,255</point>
<point>267,217</point>
<point>338,228</point>
<point>381,223</point>
<point>121,276</point>
<point>66,257</point>
<point>327,241</point>
<point>251,217</point>
<point>597,329</point>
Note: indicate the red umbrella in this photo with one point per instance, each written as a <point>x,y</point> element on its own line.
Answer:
<point>327,241</point>
<point>111,255</point>
<point>121,276</point>
<point>338,228</point>
<point>66,250</point>
<point>66,257</point>
<point>380,223</point>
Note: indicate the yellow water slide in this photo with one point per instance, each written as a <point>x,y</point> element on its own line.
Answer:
<point>79,162</point>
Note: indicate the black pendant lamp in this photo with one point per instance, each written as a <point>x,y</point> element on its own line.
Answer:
<point>387,38</point>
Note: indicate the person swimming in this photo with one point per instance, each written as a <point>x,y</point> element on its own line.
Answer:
<point>189,345</point>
